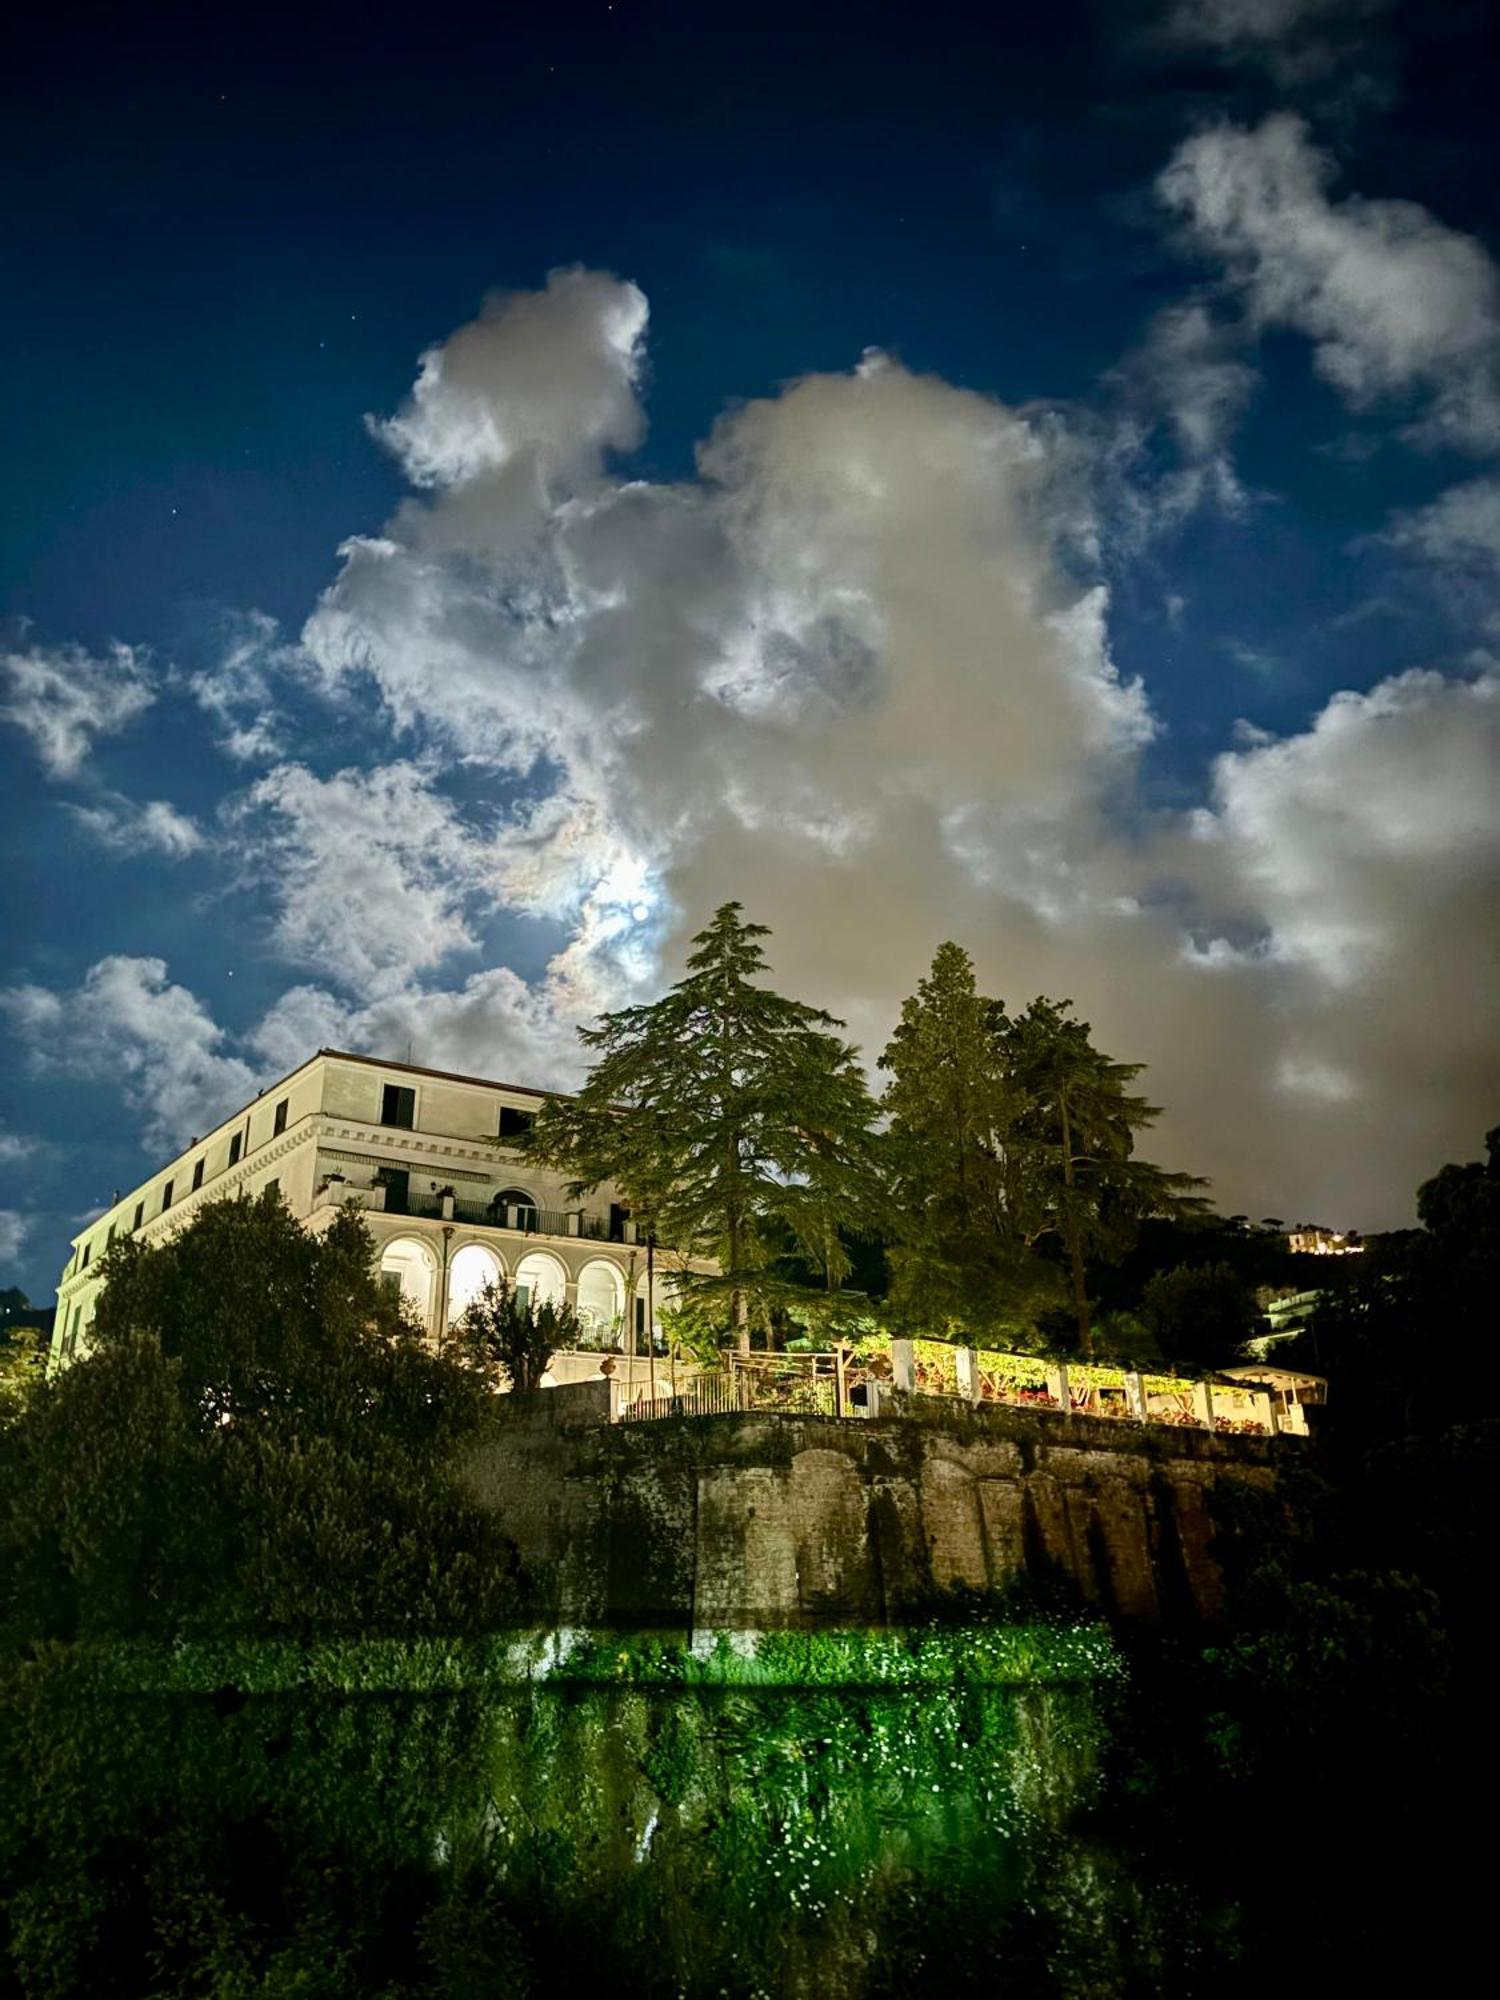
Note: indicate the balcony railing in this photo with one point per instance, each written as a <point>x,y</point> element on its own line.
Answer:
<point>412,1204</point>
<point>522,1218</point>
<point>528,1221</point>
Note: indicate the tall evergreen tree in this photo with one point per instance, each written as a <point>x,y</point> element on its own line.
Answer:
<point>722,1110</point>
<point>1074,1177</point>
<point>958,1261</point>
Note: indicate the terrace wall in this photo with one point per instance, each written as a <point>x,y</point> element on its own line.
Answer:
<point>762,1521</point>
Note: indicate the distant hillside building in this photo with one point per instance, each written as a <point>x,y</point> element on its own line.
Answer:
<point>423,1153</point>
<point>1324,1243</point>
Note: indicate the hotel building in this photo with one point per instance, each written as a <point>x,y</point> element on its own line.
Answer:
<point>430,1159</point>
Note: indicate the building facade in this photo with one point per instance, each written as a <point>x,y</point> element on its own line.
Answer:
<point>430,1160</point>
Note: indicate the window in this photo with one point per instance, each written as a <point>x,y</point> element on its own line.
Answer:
<point>398,1106</point>
<point>140,1215</point>
<point>278,1123</point>
<point>197,1175</point>
<point>166,1197</point>
<point>87,1248</point>
<point>517,1200</point>
<point>272,1187</point>
<point>111,1236</point>
<point>514,1123</point>
<point>234,1149</point>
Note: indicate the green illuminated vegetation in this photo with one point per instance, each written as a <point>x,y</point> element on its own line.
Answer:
<point>438,1819</point>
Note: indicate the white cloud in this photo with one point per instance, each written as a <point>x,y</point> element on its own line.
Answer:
<point>129,1028</point>
<point>1161,450</point>
<point>153,828</point>
<point>494,1025</point>
<point>1386,805</point>
<point>370,871</point>
<point>1359,863</point>
<point>856,673</point>
<point>540,385</point>
<point>236,691</point>
<point>1229,23</point>
<point>849,674</point>
<point>14,1230</point>
<point>14,1147</point>
<point>1396,303</point>
<point>1298,42</point>
<point>65,698</point>
<point>1458,530</point>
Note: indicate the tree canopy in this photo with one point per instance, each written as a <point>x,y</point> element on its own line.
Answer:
<point>502,1332</point>
<point>959,1264</point>
<point>256,1441</point>
<point>728,1115</point>
<point>1011,1149</point>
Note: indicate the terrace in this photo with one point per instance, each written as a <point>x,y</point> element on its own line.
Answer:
<point>866,1380</point>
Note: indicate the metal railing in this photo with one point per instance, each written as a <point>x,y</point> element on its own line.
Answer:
<point>714,1395</point>
<point>412,1204</point>
<point>794,1385</point>
<point>523,1221</point>
<point>842,1384</point>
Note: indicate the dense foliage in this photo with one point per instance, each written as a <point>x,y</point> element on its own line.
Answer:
<point>509,1335</point>
<point>732,1117</point>
<point>633,1819</point>
<point>247,1749</point>
<point>1011,1151</point>
<point>1201,1315</point>
<point>257,1442</point>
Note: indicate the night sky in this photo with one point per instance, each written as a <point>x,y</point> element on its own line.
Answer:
<point>476,495</point>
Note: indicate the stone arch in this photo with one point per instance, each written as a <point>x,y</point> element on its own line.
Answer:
<point>474,1266</point>
<point>542,1277</point>
<point>526,1205</point>
<point>408,1266</point>
<point>601,1297</point>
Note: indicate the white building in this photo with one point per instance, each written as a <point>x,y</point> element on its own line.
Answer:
<point>449,1208</point>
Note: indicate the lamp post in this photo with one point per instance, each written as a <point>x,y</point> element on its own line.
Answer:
<point>442,1325</point>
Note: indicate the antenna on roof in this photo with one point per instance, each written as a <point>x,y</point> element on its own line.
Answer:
<point>408,1048</point>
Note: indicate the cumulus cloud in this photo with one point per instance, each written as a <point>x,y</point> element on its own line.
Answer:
<point>1188,383</point>
<point>1360,864</point>
<point>1341,835</point>
<point>542,384</point>
<point>1459,531</point>
<point>132,828</point>
<point>1298,42</point>
<point>14,1230</point>
<point>129,1026</point>
<point>236,690</point>
<point>1226,21</point>
<point>494,1025</point>
<point>370,871</point>
<point>855,672</point>
<point>65,699</point>
<point>1395,303</point>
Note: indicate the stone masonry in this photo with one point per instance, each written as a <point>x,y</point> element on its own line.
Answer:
<point>767,1521</point>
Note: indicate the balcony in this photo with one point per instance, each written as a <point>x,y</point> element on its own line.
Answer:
<point>525,1221</point>
<point>396,1196</point>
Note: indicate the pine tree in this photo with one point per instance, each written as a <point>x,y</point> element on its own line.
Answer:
<point>722,1111</point>
<point>958,1261</point>
<point>1074,1176</point>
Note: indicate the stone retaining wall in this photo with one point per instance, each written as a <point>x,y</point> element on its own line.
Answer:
<point>762,1521</point>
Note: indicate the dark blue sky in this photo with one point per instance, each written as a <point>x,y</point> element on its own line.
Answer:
<point>227,238</point>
